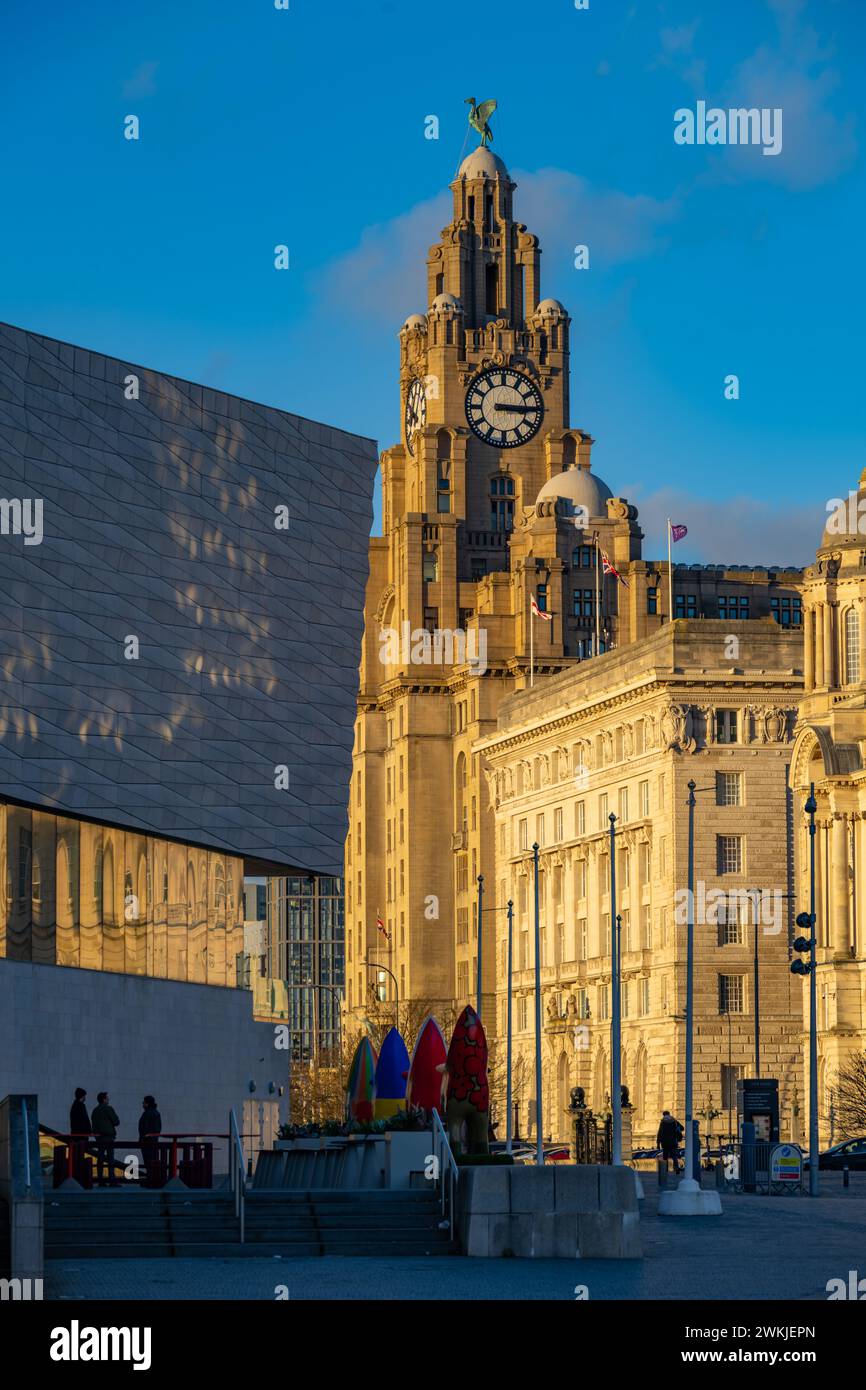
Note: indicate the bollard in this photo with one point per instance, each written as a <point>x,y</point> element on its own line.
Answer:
<point>663,1174</point>
<point>721,1180</point>
<point>748,1158</point>
<point>846,1176</point>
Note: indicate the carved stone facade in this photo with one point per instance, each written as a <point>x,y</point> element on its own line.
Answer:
<point>830,751</point>
<point>625,734</point>
<point>472,532</point>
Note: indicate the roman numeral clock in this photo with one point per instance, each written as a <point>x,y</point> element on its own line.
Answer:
<point>504,408</point>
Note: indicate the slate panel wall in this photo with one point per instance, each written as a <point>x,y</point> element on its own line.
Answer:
<point>158,523</point>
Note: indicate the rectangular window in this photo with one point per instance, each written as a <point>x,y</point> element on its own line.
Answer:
<point>728,789</point>
<point>732,915</point>
<point>462,979</point>
<point>522,1013</point>
<point>730,854</point>
<point>581,938</point>
<point>726,726</point>
<point>623,805</point>
<point>580,817</point>
<point>523,835</point>
<point>539,829</point>
<point>557,824</point>
<point>603,812</point>
<point>643,797</point>
<point>685,606</point>
<point>603,1003</point>
<point>732,994</point>
<point>646,927</point>
<point>580,879</point>
<point>644,997</point>
<point>462,925</point>
<point>652,600</point>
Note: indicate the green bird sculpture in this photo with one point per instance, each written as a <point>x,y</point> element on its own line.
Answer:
<point>479,118</point>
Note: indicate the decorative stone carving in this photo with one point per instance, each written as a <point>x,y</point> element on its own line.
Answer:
<point>678,728</point>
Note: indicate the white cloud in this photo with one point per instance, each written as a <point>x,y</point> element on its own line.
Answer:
<point>141,83</point>
<point>732,530</point>
<point>383,278</point>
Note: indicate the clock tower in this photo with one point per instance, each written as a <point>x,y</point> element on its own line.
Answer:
<point>489,502</point>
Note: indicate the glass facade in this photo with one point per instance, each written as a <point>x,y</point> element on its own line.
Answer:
<point>306,951</point>
<point>81,894</point>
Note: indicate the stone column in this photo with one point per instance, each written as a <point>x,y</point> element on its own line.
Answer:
<point>839,935</point>
<point>809,648</point>
<point>829,644</point>
<point>818,626</point>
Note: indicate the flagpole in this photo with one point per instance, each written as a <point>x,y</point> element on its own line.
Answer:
<point>670,578</point>
<point>531,645</point>
<point>597,602</point>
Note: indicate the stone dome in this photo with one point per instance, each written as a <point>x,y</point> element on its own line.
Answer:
<point>482,164</point>
<point>447,304</point>
<point>416,321</point>
<point>847,524</point>
<point>550,309</point>
<point>580,487</point>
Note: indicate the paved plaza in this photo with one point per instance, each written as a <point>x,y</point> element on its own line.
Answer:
<point>760,1248</point>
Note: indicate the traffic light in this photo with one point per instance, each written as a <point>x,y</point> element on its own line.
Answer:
<point>802,943</point>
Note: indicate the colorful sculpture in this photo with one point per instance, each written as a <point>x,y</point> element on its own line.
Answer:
<point>391,1069</point>
<point>424,1082</point>
<point>467,1097</point>
<point>361,1086</point>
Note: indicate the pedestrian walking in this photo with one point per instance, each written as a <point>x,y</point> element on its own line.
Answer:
<point>104,1122</point>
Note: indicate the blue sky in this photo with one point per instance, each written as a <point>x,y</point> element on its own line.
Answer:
<point>306,127</point>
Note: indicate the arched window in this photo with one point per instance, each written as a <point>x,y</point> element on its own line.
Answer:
<point>501,503</point>
<point>569,450</point>
<point>852,647</point>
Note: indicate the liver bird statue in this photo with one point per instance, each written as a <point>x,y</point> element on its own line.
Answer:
<point>479,118</point>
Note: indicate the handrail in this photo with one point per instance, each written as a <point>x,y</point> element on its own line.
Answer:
<point>24,1116</point>
<point>237,1171</point>
<point>444,1159</point>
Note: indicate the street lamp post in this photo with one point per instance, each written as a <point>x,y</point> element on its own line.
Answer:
<point>376,965</point>
<point>539,1145</point>
<point>480,920</point>
<point>688,1198</point>
<point>615,1009</point>
<point>757,987</point>
<point>799,967</point>
<point>510,1125</point>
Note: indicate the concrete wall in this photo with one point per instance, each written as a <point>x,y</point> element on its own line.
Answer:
<point>194,1047</point>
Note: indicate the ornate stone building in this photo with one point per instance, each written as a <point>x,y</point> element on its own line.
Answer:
<point>624,735</point>
<point>830,751</point>
<point>489,502</point>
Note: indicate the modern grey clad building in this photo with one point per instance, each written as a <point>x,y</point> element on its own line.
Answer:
<point>183,577</point>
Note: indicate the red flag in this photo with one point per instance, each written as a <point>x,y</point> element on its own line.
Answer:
<point>381,925</point>
<point>677,532</point>
<point>609,569</point>
<point>540,613</point>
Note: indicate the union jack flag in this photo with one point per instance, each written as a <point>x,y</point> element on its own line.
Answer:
<point>608,568</point>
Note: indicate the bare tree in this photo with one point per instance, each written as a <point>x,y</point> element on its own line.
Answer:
<point>849,1096</point>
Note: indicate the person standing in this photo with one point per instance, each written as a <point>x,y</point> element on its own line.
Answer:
<point>79,1120</point>
<point>149,1130</point>
<point>668,1140</point>
<point>104,1122</point>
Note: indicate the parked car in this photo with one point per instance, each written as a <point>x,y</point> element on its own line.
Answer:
<point>851,1153</point>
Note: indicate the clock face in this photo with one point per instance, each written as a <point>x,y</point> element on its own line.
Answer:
<point>504,407</point>
<point>416,412</point>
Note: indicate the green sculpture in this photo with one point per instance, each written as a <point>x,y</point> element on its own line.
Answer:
<point>478,118</point>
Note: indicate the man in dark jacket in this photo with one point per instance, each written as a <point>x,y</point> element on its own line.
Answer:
<point>149,1129</point>
<point>104,1122</point>
<point>668,1139</point>
<point>79,1120</point>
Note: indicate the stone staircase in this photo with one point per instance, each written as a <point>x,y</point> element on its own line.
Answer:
<point>126,1224</point>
